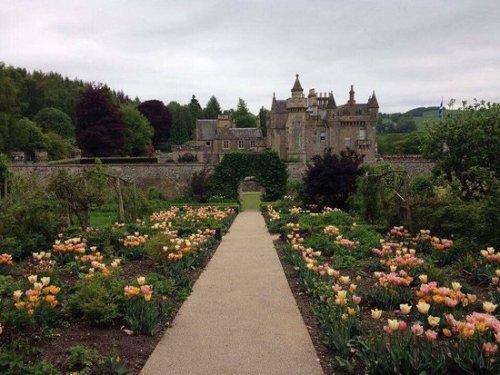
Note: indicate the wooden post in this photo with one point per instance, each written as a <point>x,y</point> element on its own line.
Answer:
<point>121,209</point>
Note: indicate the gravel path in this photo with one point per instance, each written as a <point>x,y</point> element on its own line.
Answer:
<point>241,317</point>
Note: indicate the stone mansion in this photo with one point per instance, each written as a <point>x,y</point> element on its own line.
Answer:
<point>298,129</point>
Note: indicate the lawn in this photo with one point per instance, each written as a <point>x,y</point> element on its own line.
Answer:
<point>250,201</point>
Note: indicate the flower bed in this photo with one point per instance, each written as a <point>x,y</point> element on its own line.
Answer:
<point>385,304</point>
<point>98,301</point>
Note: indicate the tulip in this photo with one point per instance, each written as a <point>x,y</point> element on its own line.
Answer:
<point>45,281</point>
<point>1,329</point>
<point>351,311</point>
<point>356,299</point>
<point>423,307</point>
<point>405,308</point>
<point>456,286</point>
<point>393,324</point>
<point>423,279</point>
<point>141,280</point>
<point>472,298</point>
<point>433,320</point>
<point>497,272</point>
<point>345,280</point>
<point>489,307</point>
<point>490,348</point>
<point>447,332</point>
<point>376,314</point>
<point>402,325</point>
<point>430,335</point>
<point>17,295</point>
<point>32,279</point>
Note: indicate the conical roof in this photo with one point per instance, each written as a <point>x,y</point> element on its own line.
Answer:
<point>373,102</point>
<point>297,86</point>
<point>331,102</point>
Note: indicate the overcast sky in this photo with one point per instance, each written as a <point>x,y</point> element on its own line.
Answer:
<point>410,52</point>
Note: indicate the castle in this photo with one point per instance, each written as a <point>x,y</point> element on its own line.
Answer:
<point>298,129</point>
<point>302,127</point>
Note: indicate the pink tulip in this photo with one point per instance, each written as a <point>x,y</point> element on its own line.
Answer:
<point>402,325</point>
<point>430,335</point>
<point>356,299</point>
<point>417,329</point>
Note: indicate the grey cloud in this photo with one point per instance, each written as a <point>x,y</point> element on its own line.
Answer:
<point>411,53</point>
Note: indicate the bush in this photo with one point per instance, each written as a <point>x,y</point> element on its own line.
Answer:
<point>331,179</point>
<point>94,300</point>
<point>82,358</point>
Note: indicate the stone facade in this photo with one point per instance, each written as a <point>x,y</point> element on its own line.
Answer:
<point>302,127</point>
<point>214,138</point>
<point>298,129</point>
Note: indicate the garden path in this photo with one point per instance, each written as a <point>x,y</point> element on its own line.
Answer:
<point>241,317</point>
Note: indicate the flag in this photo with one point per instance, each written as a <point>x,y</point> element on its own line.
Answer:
<point>441,109</point>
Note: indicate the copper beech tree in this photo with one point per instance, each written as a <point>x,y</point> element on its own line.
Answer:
<point>100,129</point>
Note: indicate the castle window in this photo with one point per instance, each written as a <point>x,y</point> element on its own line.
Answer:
<point>225,144</point>
<point>362,134</point>
<point>347,142</point>
<point>322,137</point>
<point>241,144</point>
<point>252,143</point>
<point>208,143</point>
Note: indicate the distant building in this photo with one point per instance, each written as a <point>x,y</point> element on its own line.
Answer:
<point>213,138</point>
<point>302,127</point>
<point>299,128</point>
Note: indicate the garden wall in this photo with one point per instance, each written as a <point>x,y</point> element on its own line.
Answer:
<point>413,164</point>
<point>172,180</point>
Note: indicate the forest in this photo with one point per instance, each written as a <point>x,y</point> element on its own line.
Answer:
<point>48,112</point>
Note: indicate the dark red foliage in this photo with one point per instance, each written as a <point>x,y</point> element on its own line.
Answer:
<point>331,179</point>
<point>160,119</point>
<point>100,130</point>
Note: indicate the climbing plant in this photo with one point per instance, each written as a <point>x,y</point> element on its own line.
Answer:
<point>268,169</point>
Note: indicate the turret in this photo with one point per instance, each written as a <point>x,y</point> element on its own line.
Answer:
<point>351,101</point>
<point>331,101</point>
<point>297,90</point>
<point>372,101</point>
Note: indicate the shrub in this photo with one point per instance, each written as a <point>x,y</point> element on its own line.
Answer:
<point>331,179</point>
<point>82,358</point>
<point>94,300</point>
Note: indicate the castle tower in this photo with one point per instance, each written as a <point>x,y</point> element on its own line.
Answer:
<point>296,122</point>
<point>351,101</point>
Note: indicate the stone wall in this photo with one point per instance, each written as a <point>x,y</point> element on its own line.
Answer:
<point>413,164</point>
<point>172,180</point>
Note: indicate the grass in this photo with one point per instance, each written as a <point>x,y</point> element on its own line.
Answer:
<point>101,218</point>
<point>250,201</point>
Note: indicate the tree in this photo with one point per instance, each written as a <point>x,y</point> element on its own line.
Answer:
<point>263,117</point>
<point>100,129</point>
<point>331,179</point>
<point>212,110</point>
<point>57,147</point>
<point>160,119</point>
<point>183,123</point>
<point>56,121</point>
<point>241,108</point>
<point>4,174</point>
<point>242,117</point>
<point>26,136</point>
<point>465,147</point>
<point>195,108</point>
<point>139,132</point>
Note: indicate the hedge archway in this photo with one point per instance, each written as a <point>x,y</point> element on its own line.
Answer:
<point>269,171</point>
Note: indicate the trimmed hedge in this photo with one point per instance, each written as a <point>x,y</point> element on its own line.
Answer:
<point>268,169</point>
